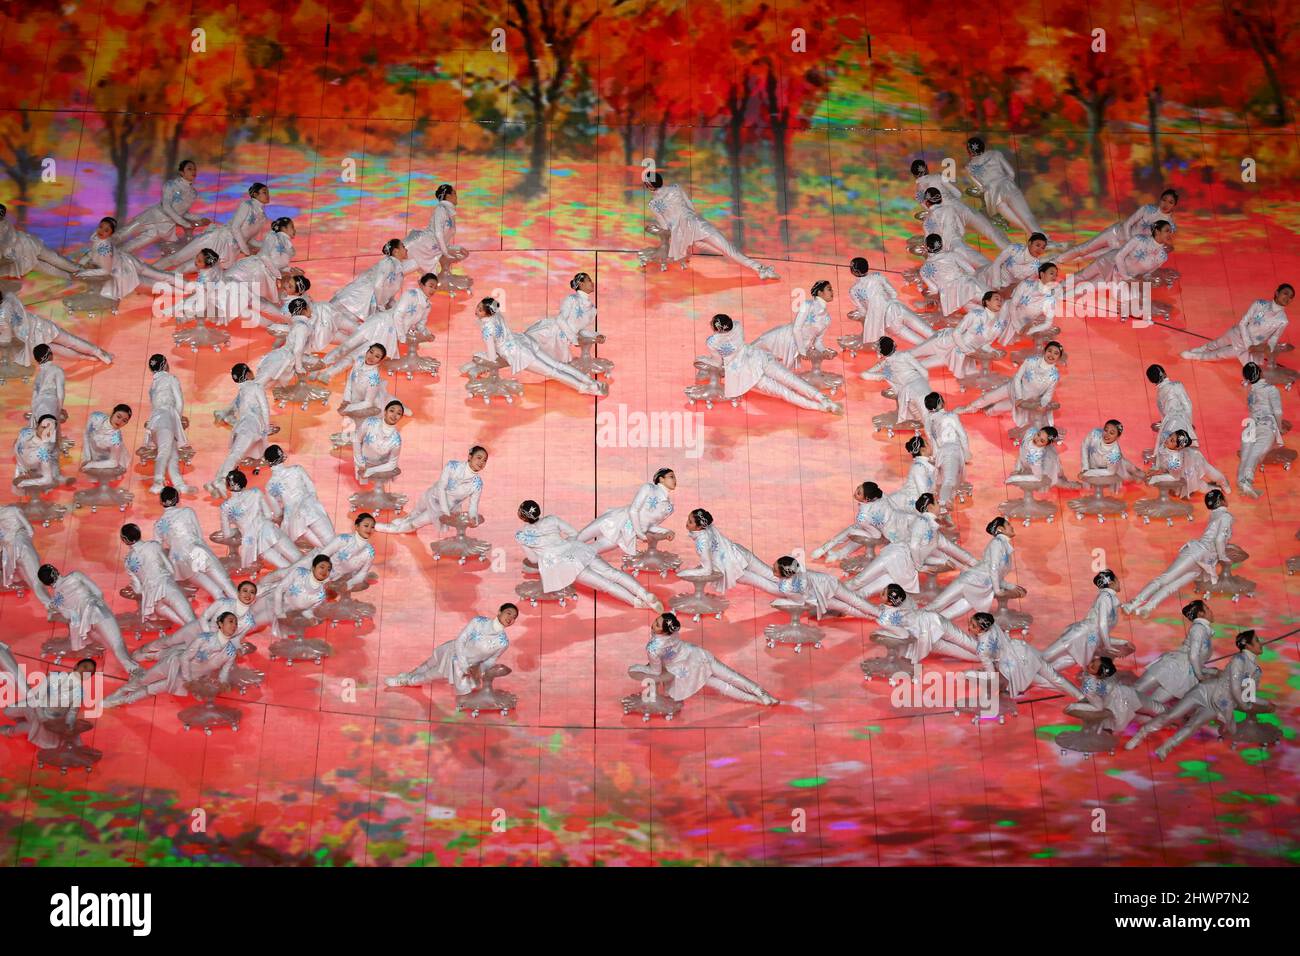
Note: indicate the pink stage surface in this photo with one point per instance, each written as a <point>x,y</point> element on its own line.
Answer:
<point>331,768</point>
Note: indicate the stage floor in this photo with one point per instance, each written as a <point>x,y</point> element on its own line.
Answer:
<point>330,768</point>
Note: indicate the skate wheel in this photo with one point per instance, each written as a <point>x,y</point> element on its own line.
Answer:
<point>1002,719</point>
<point>505,711</point>
<point>668,716</point>
<point>474,712</point>
<point>207,731</point>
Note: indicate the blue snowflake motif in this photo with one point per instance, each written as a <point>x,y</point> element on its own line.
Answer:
<point>235,511</point>
<point>794,585</point>
<point>133,564</point>
<point>477,483</point>
<point>1175,462</point>
<point>527,537</point>
<point>201,657</point>
<point>929,270</point>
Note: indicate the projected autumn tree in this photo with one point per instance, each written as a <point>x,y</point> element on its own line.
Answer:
<point>547,43</point>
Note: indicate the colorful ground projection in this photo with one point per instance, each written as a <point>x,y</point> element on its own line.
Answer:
<point>792,126</point>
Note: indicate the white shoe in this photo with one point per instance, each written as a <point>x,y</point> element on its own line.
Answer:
<point>767,272</point>
<point>399,681</point>
<point>156,487</point>
<point>835,408</point>
<point>1187,355</point>
<point>187,489</point>
<point>105,357</point>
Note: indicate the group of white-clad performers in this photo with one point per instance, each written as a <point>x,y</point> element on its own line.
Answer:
<point>973,306</point>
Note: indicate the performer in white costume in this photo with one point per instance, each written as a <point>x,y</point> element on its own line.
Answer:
<point>80,601</point>
<point>905,375</point>
<point>1019,663</point>
<point>1262,326</point>
<point>297,594</point>
<point>1015,263</point>
<point>523,354</point>
<point>720,555</point>
<point>179,531</point>
<point>249,417</point>
<point>552,544</point>
<point>975,588</point>
<point>351,556</point>
<point>947,275</point>
<point>955,347</point>
<point>247,511</point>
<point>389,327</point>
<point>461,483</point>
<point>18,552</point>
<point>1171,675</point>
<point>788,342</point>
<point>624,527</point>
<point>462,661</point>
<point>558,336</point>
<point>166,426</point>
<point>1138,224</point>
<point>36,456</point>
<point>922,474</point>
<point>242,606</point>
<point>900,562</point>
<point>947,436</point>
<point>1136,258</point>
<point>281,364</point>
<point>1176,458</point>
<point>1263,429</point>
<point>434,248</point>
<point>26,252</point>
<point>953,196</point>
<point>49,387</point>
<point>153,578</point>
<point>1034,381</point>
<point>693,668</point>
<point>949,223</point>
<point>118,271</point>
<point>686,228</point>
<point>378,287</point>
<point>879,308</point>
<point>997,180</point>
<point>102,447</point>
<point>365,387</point>
<point>261,272</point>
<point>238,236</point>
<point>294,502</point>
<point>377,445</point>
<point>1033,305</point>
<point>210,298</point>
<point>1203,555</point>
<point>1038,458</point>
<point>34,330</point>
<point>820,591</point>
<point>209,652</point>
<point>159,222</point>
<point>1084,639</point>
<point>877,516</point>
<point>1218,700</point>
<point>1173,403</point>
<point>1100,454</point>
<point>746,366</point>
